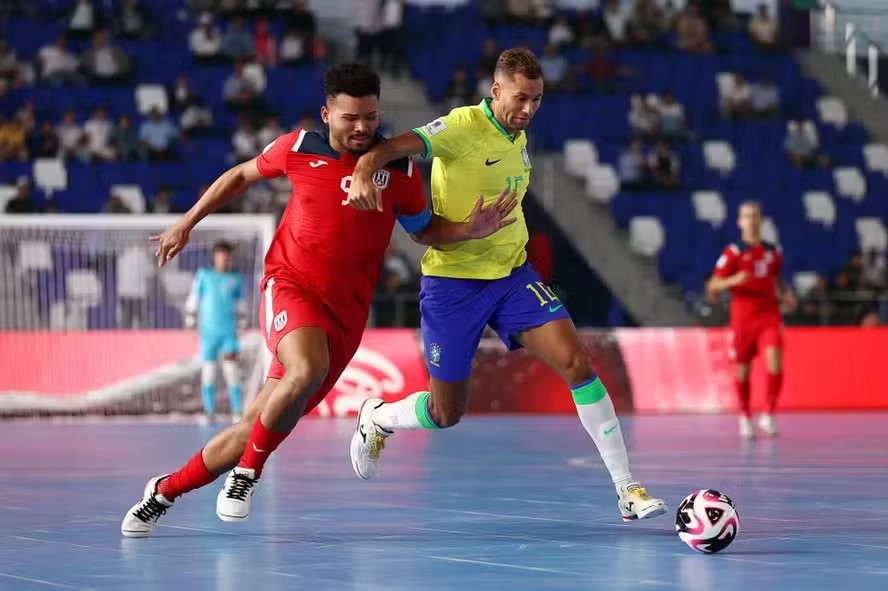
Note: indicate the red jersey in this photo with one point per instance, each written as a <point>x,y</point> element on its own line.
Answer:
<point>331,250</point>
<point>757,295</point>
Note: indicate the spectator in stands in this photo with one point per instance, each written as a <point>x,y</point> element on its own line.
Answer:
<point>115,205</point>
<point>874,269</point>
<point>205,41</point>
<point>237,42</point>
<point>871,317</point>
<point>129,146</point>
<point>70,135</point>
<point>163,201</point>
<point>555,68</point>
<point>801,147</point>
<point>764,98</point>
<point>561,35</point>
<point>298,16</point>
<point>854,269</point>
<point>670,117</point>
<point>398,277</point>
<point>10,68</point>
<point>82,20</point>
<point>846,305</point>
<point>670,15</point>
<point>633,167</point>
<point>643,118</point>
<point>603,72</point>
<point>57,65</point>
<point>692,31</point>
<point>131,22</point>
<point>12,140</point>
<point>815,305</point>
<point>647,24</point>
<point>763,29</point>
<point>664,166</point>
<point>459,91</point>
<point>245,140</point>
<point>158,136</point>
<point>264,44</point>
<point>135,269</point>
<point>489,55</point>
<point>295,48</point>
<point>45,142</point>
<point>737,99</point>
<point>106,63</point>
<point>240,90</point>
<point>392,22</point>
<point>270,131</point>
<point>99,133</point>
<point>719,14</point>
<point>616,20</point>
<point>366,17</point>
<point>484,80</point>
<point>22,201</point>
<point>181,94</point>
<point>529,10</point>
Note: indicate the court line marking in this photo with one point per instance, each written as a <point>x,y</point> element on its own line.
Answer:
<point>507,565</point>
<point>44,582</point>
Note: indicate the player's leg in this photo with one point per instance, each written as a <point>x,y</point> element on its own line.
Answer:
<point>533,317</point>
<point>231,372</point>
<point>305,356</point>
<point>741,350</point>
<point>453,315</point>
<point>772,343</point>
<point>209,352</point>
<point>219,456</point>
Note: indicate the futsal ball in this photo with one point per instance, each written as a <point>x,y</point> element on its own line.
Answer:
<point>707,521</point>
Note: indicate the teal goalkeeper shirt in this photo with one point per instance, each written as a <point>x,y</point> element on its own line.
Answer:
<point>217,299</point>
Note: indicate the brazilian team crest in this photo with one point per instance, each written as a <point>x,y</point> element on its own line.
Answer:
<point>434,354</point>
<point>381,179</point>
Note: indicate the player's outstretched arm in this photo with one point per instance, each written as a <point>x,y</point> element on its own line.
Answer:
<point>363,194</point>
<point>482,222</point>
<point>720,284</point>
<point>230,184</point>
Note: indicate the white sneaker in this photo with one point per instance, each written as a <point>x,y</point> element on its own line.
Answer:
<point>768,424</point>
<point>140,520</point>
<point>747,429</point>
<point>635,503</point>
<point>233,501</point>
<point>368,441</point>
<point>206,419</point>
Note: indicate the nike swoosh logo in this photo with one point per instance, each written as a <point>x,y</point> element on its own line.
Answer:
<point>555,308</point>
<point>257,450</point>
<point>318,163</point>
<point>490,162</point>
<point>610,430</point>
<point>363,435</point>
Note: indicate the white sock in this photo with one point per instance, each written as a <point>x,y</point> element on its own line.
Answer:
<point>411,412</point>
<point>596,411</point>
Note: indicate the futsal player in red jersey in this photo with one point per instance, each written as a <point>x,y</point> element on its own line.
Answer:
<point>752,272</point>
<point>320,273</point>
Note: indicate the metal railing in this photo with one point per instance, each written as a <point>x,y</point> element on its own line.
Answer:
<point>856,30</point>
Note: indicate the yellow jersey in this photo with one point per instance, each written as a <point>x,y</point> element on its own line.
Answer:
<point>474,155</point>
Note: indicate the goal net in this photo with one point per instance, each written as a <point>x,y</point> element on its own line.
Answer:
<point>89,324</point>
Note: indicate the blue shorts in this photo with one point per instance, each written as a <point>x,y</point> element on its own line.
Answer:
<point>213,345</point>
<point>455,311</point>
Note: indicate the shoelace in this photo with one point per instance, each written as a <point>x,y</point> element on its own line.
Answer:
<point>151,510</point>
<point>377,444</point>
<point>638,491</point>
<point>240,487</point>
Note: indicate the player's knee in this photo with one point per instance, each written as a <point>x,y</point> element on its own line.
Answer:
<point>303,380</point>
<point>576,367</point>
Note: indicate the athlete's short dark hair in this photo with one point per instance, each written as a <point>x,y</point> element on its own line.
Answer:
<point>223,246</point>
<point>353,79</point>
<point>519,61</point>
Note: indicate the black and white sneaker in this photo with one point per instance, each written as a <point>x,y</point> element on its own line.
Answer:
<point>140,520</point>
<point>368,441</point>
<point>233,501</point>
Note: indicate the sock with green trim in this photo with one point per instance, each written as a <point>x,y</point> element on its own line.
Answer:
<point>411,412</point>
<point>600,420</point>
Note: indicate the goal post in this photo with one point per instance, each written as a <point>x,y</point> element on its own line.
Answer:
<point>89,324</point>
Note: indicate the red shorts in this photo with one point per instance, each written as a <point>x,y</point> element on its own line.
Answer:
<point>747,339</point>
<point>284,307</point>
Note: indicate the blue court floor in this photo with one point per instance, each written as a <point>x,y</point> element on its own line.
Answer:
<point>496,503</point>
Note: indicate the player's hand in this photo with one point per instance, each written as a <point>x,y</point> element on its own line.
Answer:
<point>190,320</point>
<point>790,302</point>
<point>363,194</point>
<point>484,221</point>
<point>171,242</point>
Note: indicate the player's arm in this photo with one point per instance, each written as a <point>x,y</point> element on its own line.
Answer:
<point>726,276</point>
<point>784,292</point>
<point>482,222</point>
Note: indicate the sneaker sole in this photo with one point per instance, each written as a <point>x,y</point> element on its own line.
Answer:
<point>127,533</point>
<point>231,518</point>
<point>655,511</point>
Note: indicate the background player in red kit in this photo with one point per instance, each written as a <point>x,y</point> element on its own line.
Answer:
<point>752,271</point>
<point>320,274</point>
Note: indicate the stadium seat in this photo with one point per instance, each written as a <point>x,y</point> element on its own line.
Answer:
<point>832,110</point>
<point>803,282</point>
<point>132,196</point>
<point>850,183</point>
<point>709,206</point>
<point>819,207</point>
<point>770,232</point>
<point>876,157</point>
<point>719,156</point>
<point>34,255</point>
<point>151,96</point>
<point>646,235</point>
<point>871,234</point>
<point>602,183</point>
<point>579,157</point>
<point>50,174</point>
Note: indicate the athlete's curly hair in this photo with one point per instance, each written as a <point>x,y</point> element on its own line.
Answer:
<point>353,79</point>
<point>519,61</point>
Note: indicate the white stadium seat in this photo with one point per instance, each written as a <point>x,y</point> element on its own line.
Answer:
<point>724,81</point>
<point>832,110</point>
<point>34,255</point>
<point>50,174</point>
<point>710,207</point>
<point>876,157</point>
<point>769,231</point>
<point>719,156</point>
<point>132,197</point>
<point>84,287</point>
<point>602,183</point>
<point>850,182</point>
<point>151,96</point>
<point>803,282</point>
<point>871,234</point>
<point>819,207</point>
<point>646,235</point>
<point>579,157</point>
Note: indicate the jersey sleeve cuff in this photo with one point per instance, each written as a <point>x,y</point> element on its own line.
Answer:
<point>425,140</point>
<point>414,224</point>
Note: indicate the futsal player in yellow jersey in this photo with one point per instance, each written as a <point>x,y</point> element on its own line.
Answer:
<point>467,285</point>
